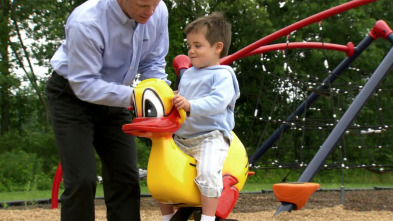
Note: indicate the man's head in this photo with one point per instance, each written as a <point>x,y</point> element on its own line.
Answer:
<point>217,30</point>
<point>139,10</point>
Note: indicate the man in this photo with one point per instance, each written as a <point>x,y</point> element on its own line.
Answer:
<point>107,43</point>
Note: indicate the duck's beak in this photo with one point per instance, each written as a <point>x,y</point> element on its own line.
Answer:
<point>148,127</point>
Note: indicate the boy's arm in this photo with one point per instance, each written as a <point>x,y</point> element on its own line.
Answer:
<point>217,100</point>
<point>181,102</point>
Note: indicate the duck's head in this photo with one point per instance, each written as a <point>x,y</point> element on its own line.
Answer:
<point>154,113</point>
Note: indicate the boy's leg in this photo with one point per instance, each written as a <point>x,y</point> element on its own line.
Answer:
<point>210,159</point>
<point>210,151</point>
<point>209,205</point>
<point>167,211</point>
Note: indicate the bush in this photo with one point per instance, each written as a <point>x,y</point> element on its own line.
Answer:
<point>19,171</point>
<point>267,176</point>
<point>41,144</point>
<point>10,141</point>
<point>143,147</point>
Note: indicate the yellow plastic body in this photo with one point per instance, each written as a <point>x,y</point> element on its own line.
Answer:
<point>171,173</point>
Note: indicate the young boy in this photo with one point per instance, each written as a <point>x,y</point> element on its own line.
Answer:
<point>207,92</point>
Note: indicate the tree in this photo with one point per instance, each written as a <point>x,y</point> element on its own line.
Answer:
<point>43,22</point>
<point>6,80</point>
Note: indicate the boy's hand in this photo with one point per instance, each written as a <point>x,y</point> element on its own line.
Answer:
<point>181,103</point>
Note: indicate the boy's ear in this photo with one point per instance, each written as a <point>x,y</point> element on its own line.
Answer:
<point>219,47</point>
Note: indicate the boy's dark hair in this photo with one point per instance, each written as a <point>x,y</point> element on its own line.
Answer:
<point>218,30</point>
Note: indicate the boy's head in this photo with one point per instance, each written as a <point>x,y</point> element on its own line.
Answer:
<point>217,30</point>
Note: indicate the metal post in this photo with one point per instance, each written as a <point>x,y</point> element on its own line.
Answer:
<point>342,196</point>
<point>339,130</point>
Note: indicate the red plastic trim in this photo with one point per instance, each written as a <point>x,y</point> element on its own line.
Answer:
<point>228,198</point>
<point>250,173</point>
<point>55,187</point>
<point>181,62</point>
<point>380,30</point>
<point>295,193</point>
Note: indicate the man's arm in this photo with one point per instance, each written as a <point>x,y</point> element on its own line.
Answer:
<point>85,62</point>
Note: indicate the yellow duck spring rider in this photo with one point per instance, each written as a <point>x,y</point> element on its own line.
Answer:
<point>170,172</point>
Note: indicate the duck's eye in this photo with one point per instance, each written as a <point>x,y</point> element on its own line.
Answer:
<point>152,105</point>
<point>150,110</point>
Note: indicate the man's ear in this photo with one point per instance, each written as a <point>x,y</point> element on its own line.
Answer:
<point>219,47</point>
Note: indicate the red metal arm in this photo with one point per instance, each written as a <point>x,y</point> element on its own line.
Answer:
<point>349,48</point>
<point>295,26</point>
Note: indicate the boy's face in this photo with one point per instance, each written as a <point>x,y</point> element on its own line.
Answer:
<point>139,10</point>
<point>200,52</point>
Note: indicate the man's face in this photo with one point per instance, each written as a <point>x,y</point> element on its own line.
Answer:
<point>139,10</point>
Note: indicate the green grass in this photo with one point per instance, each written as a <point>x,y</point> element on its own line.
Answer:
<point>263,180</point>
<point>248,187</point>
<point>25,195</point>
<point>45,194</point>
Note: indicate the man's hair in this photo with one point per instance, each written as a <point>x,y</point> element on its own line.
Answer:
<point>218,30</point>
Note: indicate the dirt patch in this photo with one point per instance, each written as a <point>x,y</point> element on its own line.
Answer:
<point>358,205</point>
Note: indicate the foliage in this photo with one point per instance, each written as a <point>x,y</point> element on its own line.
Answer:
<point>42,145</point>
<point>27,160</point>
<point>21,171</point>
<point>143,146</point>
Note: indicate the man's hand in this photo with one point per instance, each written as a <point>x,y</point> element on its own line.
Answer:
<point>181,103</point>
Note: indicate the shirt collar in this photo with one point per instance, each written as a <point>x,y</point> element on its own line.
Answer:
<point>119,14</point>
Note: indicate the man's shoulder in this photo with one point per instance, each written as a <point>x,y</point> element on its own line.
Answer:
<point>162,8</point>
<point>88,12</point>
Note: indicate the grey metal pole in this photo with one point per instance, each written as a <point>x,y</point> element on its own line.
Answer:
<point>342,193</point>
<point>339,130</point>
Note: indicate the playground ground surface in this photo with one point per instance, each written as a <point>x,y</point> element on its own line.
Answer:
<point>323,205</point>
